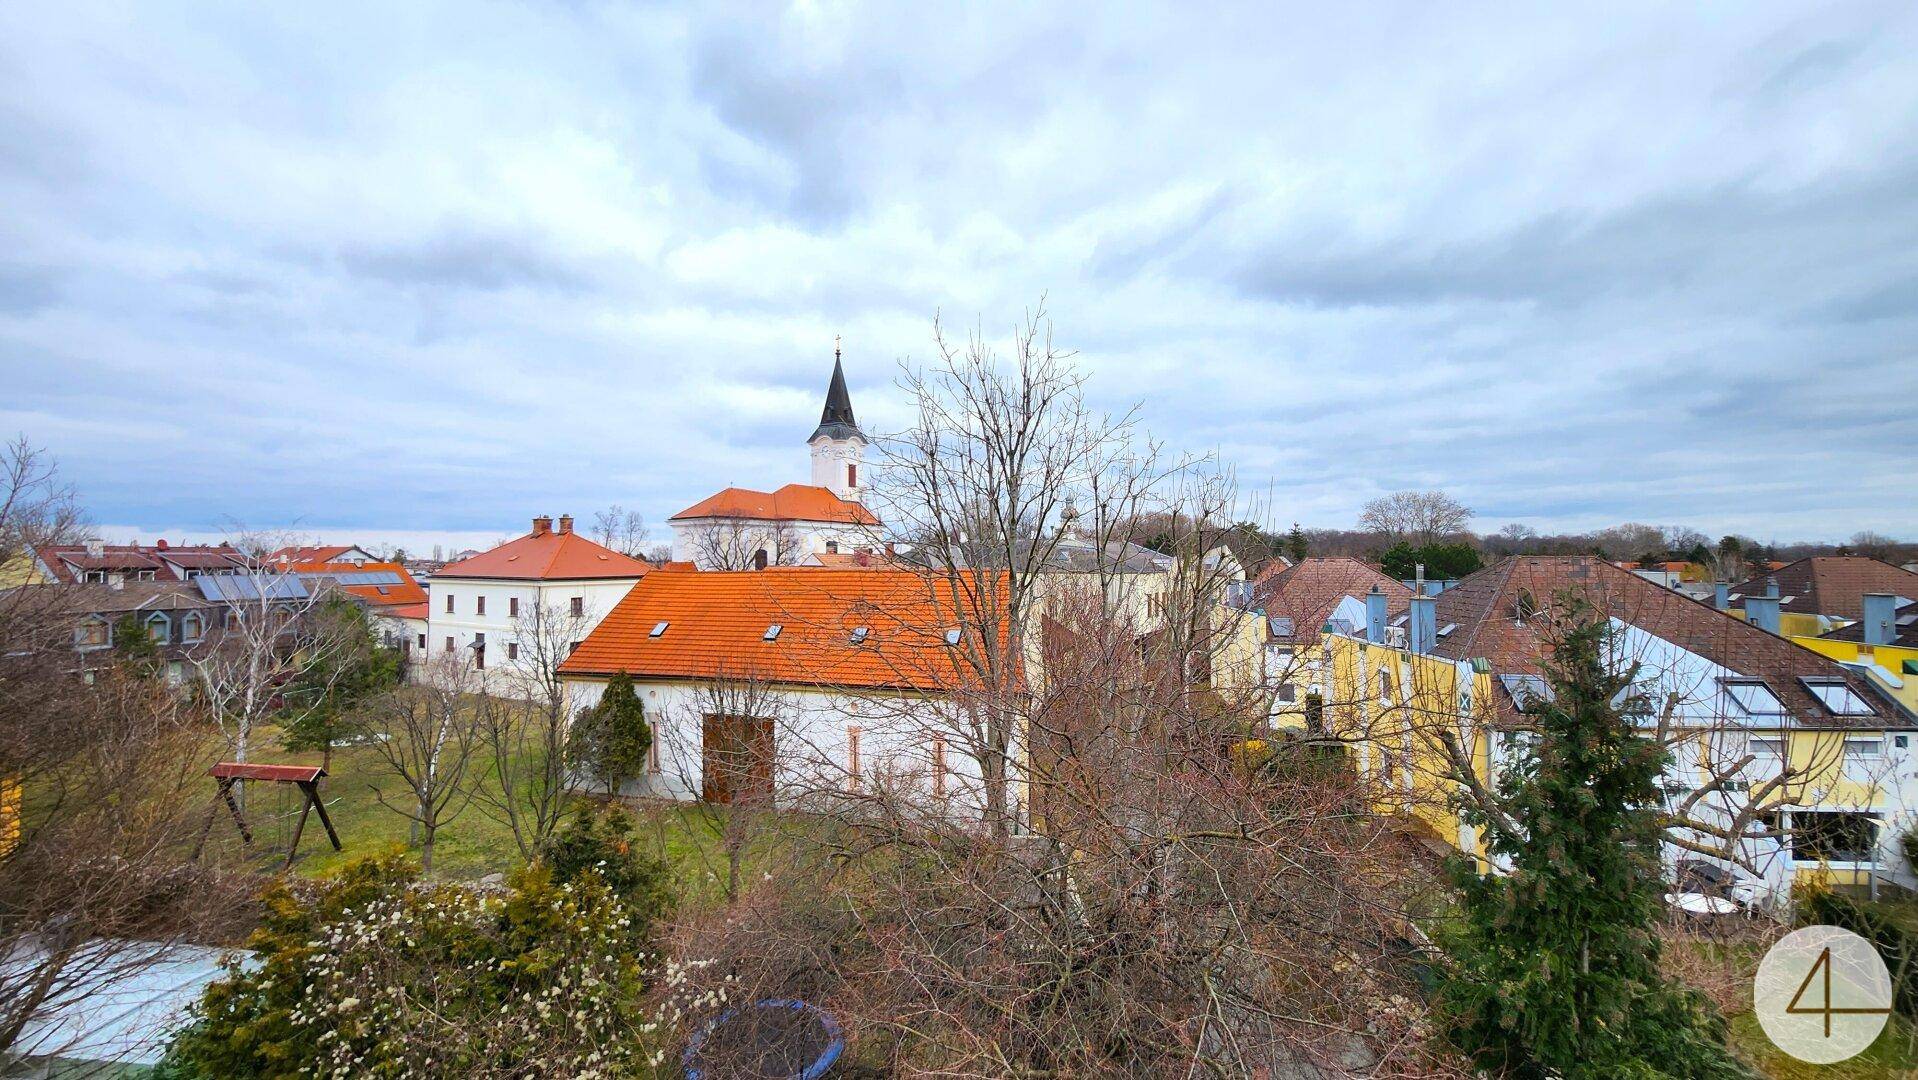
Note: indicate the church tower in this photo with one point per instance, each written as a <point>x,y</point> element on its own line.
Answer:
<point>838,446</point>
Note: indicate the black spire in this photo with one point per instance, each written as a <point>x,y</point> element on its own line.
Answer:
<point>835,421</point>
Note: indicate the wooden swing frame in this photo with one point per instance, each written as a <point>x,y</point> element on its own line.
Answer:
<point>305,777</point>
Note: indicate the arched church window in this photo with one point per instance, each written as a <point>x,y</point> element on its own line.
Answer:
<point>759,559</point>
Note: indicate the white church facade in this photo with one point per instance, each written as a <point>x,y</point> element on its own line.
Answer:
<point>743,529</point>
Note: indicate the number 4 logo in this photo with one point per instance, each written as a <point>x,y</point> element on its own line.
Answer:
<point>1828,1010</point>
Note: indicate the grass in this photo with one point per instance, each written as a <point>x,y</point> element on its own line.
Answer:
<point>1894,1054</point>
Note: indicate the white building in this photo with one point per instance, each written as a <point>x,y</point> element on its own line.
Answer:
<point>788,684</point>
<point>742,529</point>
<point>522,606</point>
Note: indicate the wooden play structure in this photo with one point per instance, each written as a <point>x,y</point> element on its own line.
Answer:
<point>305,777</point>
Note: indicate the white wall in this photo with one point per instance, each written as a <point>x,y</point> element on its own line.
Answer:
<point>464,622</point>
<point>799,538</point>
<point>830,457</point>
<point>811,742</point>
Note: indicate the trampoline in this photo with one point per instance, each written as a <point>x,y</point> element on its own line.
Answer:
<point>775,1039</point>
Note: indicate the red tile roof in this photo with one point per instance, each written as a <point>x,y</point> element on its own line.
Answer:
<point>1485,607</point>
<point>1833,585</point>
<point>716,625</point>
<point>547,556</point>
<point>1308,591</point>
<point>67,562</point>
<point>408,591</point>
<point>407,611</point>
<point>794,502</point>
<point>316,553</point>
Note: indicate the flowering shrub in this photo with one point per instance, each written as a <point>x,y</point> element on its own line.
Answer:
<point>381,976</point>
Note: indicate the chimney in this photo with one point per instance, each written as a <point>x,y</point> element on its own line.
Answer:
<point>1375,616</point>
<point>1762,611</point>
<point>1881,617</point>
<point>542,525</point>
<point>96,547</point>
<point>160,543</point>
<point>1722,595</point>
<point>1424,623</point>
<point>566,523</point>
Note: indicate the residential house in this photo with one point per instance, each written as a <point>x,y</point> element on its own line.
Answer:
<point>739,528</point>
<point>1818,594</point>
<point>787,683</point>
<point>96,562</point>
<point>1883,645</point>
<point>178,618</point>
<point>503,607</point>
<point>394,601</point>
<point>1743,703</point>
<point>322,553</point>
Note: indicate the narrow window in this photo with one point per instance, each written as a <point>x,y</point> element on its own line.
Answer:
<point>422,642</point>
<point>479,605</point>
<point>449,643</point>
<point>512,607</point>
<point>449,603</point>
<point>852,476</point>
<point>512,650</point>
<point>759,559</point>
<point>938,764</point>
<point>479,651</point>
<point>852,753</point>
<point>579,606</point>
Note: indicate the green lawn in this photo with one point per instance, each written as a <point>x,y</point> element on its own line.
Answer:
<point>1895,1054</point>
<point>473,845</point>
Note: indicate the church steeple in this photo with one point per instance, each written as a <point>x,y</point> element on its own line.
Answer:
<point>837,443</point>
<point>836,420</point>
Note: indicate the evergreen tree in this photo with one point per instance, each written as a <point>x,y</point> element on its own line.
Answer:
<point>324,701</point>
<point>1296,545</point>
<point>611,739</point>
<point>1554,966</point>
<point>134,646</point>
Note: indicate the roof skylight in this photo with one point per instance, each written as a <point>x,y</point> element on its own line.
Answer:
<point>658,628</point>
<point>952,636</point>
<point>1753,697</point>
<point>859,634</point>
<point>772,632</point>
<point>1841,699</point>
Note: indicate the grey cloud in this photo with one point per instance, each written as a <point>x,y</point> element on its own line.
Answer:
<point>463,259</point>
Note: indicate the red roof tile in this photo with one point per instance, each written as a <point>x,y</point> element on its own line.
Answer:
<point>1308,591</point>
<point>1485,607</point>
<point>717,621</point>
<point>547,556</point>
<point>1833,585</point>
<point>794,502</point>
<point>407,591</point>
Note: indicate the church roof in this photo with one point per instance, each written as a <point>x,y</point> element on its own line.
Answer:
<point>836,420</point>
<point>794,502</point>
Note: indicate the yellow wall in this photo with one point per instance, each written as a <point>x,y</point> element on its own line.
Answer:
<point>1890,657</point>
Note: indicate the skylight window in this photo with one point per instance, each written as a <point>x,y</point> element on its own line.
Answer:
<point>1526,689</point>
<point>772,632</point>
<point>1401,620</point>
<point>1752,697</point>
<point>658,629</point>
<point>1842,700</point>
<point>952,636</point>
<point>1447,629</point>
<point>859,634</point>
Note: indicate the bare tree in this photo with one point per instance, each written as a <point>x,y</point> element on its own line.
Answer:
<point>733,544</point>
<point>524,733</point>
<point>1416,517</point>
<point>1873,545</point>
<point>426,736</point>
<point>271,637</point>
<point>97,886</point>
<point>621,529</point>
<point>736,720</point>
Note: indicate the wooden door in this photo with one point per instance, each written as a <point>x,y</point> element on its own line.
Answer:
<point>736,759</point>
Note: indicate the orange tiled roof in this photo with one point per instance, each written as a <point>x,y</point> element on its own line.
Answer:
<point>794,502</point>
<point>716,625</point>
<point>312,553</point>
<point>408,611</point>
<point>547,556</point>
<point>408,591</point>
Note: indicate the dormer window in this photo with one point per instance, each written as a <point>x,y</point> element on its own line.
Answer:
<point>193,628</point>
<point>94,633</point>
<point>159,627</point>
<point>658,629</point>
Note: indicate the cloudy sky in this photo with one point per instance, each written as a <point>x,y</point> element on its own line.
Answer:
<point>424,271</point>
